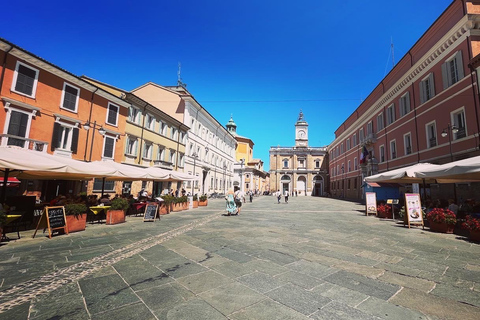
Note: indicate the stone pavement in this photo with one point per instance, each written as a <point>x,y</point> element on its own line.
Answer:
<point>314,258</point>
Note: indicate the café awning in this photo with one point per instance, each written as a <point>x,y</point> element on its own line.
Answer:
<point>401,175</point>
<point>466,170</point>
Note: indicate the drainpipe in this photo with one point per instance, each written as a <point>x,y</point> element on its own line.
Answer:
<point>3,67</point>
<point>141,136</point>
<point>415,111</point>
<point>473,73</point>
<point>89,119</point>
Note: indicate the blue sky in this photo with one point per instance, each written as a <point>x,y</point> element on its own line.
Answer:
<point>260,61</point>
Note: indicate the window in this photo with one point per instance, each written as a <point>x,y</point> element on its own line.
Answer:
<point>109,186</point>
<point>393,149</point>
<point>65,137</point>
<point>108,147</point>
<point>369,127</point>
<point>173,134</point>
<point>112,114</point>
<point>405,104</point>
<point>149,122</point>
<point>172,156</point>
<point>285,163</point>
<point>349,166</point>
<point>317,164</point>
<point>355,164</point>
<point>458,119</point>
<point>382,153</point>
<point>452,70</point>
<point>134,114</point>
<point>348,144</point>
<point>25,80</point>
<point>19,126</point>
<point>391,114</point>
<point>354,139</point>
<point>427,88</point>
<point>70,97</point>
<point>131,146</point>
<point>360,134</point>
<point>147,151</point>
<point>341,148</point>
<point>407,140</point>
<point>431,134</point>
<point>380,122</point>
<point>182,160</point>
<point>301,163</point>
<point>161,153</point>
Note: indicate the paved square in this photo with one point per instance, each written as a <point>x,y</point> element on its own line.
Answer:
<point>313,258</point>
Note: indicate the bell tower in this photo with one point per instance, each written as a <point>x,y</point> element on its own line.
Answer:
<point>301,131</point>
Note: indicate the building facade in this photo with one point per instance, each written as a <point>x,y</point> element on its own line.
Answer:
<point>425,110</point>
<point>210,148</point>
<point>300,169</point>
<point>248,172</point>
<point>48,109</point>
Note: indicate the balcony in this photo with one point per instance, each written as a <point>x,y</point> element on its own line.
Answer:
<point>432,142</point>
<point>163,164</point>
<point>24,143</point>
<point>461,133</point>
<point>369,139</point>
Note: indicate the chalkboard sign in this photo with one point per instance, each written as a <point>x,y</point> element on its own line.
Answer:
<point>53,219</point>
<point>150,212</point>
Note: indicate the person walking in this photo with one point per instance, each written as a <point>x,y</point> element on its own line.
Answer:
<point>279,195</point>
<point>286,196</point>
<point>251,195</point>
<point>238,200</point>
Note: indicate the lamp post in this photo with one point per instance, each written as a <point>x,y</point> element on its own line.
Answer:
<point>87,127</point>
<point>224,176</point>
<point>448,132</point>
<point>194,156</point>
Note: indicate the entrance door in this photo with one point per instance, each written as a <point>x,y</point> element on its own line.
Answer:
<point>318,189</point>
<point>285,188</point>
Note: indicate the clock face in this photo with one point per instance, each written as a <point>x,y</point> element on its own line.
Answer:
<point>301,134</point>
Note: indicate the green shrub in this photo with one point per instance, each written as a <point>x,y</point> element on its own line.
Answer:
<point>75,209</point>
<point>119,204</point>
<point>203,197</point>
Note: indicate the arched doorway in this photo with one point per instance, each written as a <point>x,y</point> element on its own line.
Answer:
<point>301,185</point>
<point>318,186</point>
<point>285,182</point>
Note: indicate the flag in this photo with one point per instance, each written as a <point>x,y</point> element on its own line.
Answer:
<point>363,156</point>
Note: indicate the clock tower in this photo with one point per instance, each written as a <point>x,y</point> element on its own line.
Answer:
<point>301,131</point>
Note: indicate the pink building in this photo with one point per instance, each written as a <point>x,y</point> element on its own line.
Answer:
<point>425,110</point>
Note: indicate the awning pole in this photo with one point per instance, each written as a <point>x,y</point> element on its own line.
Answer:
<point>103,186</point>
<point>4,188</point>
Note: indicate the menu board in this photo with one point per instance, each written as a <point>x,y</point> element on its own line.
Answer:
<point>150,212</point>
<point>53,219</point>
<point>371,203</point>
<point>413,209</point>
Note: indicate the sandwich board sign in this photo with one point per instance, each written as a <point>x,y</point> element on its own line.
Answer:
<point>53,219</point>
<point>371,203</point>
<point>150,212</point>
<point>413,210</point>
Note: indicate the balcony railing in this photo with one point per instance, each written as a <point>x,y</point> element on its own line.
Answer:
<point>461,133</point>
<point>24,143</point>
<point>409,150</point>
<point>370,138</point>
<point>433,142</point>
<point>162,164</point>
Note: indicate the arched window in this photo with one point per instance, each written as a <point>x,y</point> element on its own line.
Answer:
<point>285,163</point>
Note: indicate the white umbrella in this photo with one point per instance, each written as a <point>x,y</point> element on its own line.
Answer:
<point>401,175</point>
<point>124,172</point>
<point>458,171</point>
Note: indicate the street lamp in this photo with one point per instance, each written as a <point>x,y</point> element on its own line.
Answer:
<point>448,131</point>
<point>194,156</point>
<point>224,175</point>
<point>87,127</point>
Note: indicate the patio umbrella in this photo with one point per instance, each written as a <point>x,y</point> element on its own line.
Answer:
<point>124,172</point>
<point>466,170</point>
<point>401,175</point>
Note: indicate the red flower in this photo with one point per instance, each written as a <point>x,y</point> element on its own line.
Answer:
<point>471,223</point>
<point>440,215</point>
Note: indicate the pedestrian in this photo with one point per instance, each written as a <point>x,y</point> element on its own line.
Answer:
<point>251,196</point>
<point>238,200</point>
<point>279,196</point>
<point>286,196</point>
<point>296,193</point>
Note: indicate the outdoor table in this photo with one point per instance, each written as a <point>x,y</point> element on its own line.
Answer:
<point>99,211</point>
<point>12,217</point>
<point>139,206</point>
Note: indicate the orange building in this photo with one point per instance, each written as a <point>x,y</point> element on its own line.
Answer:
<point>48,109</point>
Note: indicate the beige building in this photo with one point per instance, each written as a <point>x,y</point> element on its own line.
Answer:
<point>153,138</point>
<point>248,174</point>
<point>300,169</point>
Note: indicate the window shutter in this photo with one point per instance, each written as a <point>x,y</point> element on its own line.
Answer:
<point>75,140</point>
<point>422,92</point>
<point>18,124</point>
<point>431,80</point>
<point>56,131</point>
<point>407,102</point>
<point>459,61</point>
<point>445,75</point>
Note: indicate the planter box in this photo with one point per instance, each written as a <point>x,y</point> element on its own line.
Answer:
<point>115,216</point>
<point>441,227</point>
<point>164,209</point>
<point>76,223</point>
<point>203,203</point>
<point>385,215</point>
<point>195,203</point>
<point>177,207</point>
<point>185,205</point>
<point>1,233</point>
<point>474,235</point>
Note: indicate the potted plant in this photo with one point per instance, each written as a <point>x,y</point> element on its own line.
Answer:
<point>384,211</point>
<point>116,212</point>
<point>177,204</point>
<point>203,200</point>
<point>195,201</point>
<point>76,214</point>
<point>473,225</point>
<point>166,205</point>
<point>184,201</point>
<point>442,220</point>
